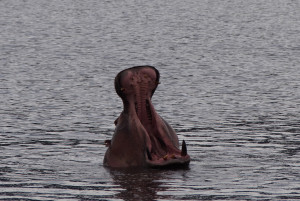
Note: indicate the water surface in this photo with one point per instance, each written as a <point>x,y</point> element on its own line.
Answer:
<point>229,87</point>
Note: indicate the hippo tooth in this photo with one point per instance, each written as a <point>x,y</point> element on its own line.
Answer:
<point>183,149</point>
<point>149,154</point>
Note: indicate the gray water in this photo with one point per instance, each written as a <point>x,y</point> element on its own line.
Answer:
<point>230,79</point>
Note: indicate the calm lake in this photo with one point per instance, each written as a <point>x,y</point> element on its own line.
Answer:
<point>230,87</point>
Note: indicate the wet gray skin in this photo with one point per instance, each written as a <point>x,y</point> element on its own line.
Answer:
<point>142,138</point>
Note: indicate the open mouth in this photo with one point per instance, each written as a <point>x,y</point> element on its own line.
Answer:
<point>136,86</point>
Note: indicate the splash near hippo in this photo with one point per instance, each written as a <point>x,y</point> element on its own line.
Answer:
<point>142,138</point>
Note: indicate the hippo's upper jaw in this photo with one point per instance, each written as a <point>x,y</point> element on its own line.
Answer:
<point>142,137</point>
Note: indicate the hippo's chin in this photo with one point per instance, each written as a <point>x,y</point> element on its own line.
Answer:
<point>142,137</point>
<point>170,164</point>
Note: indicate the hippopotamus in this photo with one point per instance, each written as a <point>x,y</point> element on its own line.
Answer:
<point>142,138</point>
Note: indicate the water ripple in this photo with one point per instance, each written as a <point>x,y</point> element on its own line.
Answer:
<point>229,87</point>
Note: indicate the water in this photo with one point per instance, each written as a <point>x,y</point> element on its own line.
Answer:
<point>229,87</point>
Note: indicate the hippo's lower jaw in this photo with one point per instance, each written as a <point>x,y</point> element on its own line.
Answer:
<point>142,137</point>
<point>173,163</point>
<point>170,160</point>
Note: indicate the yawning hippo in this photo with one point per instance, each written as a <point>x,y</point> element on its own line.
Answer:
<point>142,137</point>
